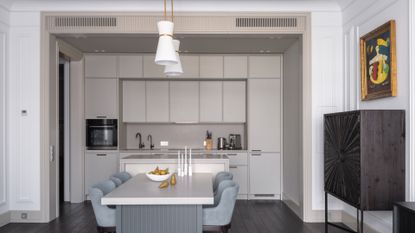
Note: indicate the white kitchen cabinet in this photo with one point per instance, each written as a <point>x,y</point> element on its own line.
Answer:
<point>265,175</point>
<point>151,69</point>
<point>211,66</point>
<point>134,101</point>
<point>264,114</point>
<point>210,101</point>
<point>184,101</point>
<point>190,65</point>
<point>157,105</point>
<point>235,67</point>
<point>238,158</point>
<point>101,98</point>
<point>101,66</point>
<point>240,176</point>
<point>99,166</point>
<point>130,66</point>
<point>234,101</point>
<point>265,66</point>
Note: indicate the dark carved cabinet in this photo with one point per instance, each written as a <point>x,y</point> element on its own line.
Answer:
<point>364,157</point>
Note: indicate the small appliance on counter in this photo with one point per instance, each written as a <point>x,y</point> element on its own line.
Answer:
<point>222,143</point>
<point>235,142</point>
<point>101,134</point>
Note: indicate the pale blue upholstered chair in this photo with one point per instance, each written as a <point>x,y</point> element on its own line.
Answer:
<point>123,176</point>
<point>104,215</point>
<point>218,218</point>
<point>221,176</point>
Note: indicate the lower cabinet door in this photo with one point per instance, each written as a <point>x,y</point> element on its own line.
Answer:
<point>99,167</point>
<point>240,176</point>
<point>265,175</point>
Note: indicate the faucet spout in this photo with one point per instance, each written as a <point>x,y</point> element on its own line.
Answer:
<point>140,143</point>
<point>150,138</point>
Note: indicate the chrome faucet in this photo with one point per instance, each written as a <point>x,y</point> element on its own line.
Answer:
<point>140,143</point>
<point>150,138</point>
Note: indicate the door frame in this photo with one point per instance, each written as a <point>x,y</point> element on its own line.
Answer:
<point>306,207</point>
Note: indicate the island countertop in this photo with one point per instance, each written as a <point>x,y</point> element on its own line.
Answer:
<point>172,157</point>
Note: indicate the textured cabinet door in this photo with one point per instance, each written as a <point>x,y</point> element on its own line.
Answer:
<point>210,101</point>
<point>157,101</point>
<point>211,66</point>
<point>234,101</point>
<point>99,167</point>
<point>130,66</point>
<point>101,66</point>
<point>134,101</point>
<point>184,101</point>
<point>265,173</point>
<point>151,69</point>
<point>101,98</point>
<point>190,65</point>
<point>235,67</point>
<point>264,114</point>
<point>265,66</point>
<point>240,176</point>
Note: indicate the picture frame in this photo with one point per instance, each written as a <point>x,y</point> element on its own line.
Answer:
<point>378,62</point>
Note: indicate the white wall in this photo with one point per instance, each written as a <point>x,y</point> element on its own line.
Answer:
<point>358,19</point>
<point>4,33</point>
<point>292,135</point>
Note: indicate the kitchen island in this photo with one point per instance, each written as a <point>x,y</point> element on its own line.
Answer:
<point>142,207</point>
<point>201,163</point>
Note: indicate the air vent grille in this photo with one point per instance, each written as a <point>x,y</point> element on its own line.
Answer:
<point>86,21</point>
<point>266,22</point>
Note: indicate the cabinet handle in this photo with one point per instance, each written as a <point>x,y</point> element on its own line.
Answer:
<point>101,154</point>
<point>257,150</point>
<point>232,154</point>
<point>233,166</point>
<point>101,117</point>
<point>256,154</point>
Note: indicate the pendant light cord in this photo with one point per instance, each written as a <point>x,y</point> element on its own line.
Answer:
<point>172,14</point>
<point>165,9</point>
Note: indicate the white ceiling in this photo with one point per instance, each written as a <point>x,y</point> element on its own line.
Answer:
<point>219,44</point>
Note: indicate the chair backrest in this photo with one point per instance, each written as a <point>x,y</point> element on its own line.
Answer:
<point>221,176</point>
<point>221,215</point>
<point>221,187</point>
<point>123,176</point>
<point>116,181</point>
<point>104,215</point>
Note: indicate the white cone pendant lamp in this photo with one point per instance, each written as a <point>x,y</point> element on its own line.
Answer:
<point>166,54</point>
<point>176,69</point>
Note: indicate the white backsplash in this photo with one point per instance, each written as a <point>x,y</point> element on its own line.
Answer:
<point>180,135</point>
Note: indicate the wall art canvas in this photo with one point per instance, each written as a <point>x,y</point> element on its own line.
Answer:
<point>378,62</point>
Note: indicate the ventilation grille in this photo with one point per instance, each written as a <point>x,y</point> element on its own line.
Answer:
<point>266,22</point>
<point>86,22</point>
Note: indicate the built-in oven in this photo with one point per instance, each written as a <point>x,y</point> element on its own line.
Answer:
<point>101,134</point>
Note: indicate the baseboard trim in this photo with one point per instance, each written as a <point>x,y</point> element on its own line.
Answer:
<point>350,221</point>
<point>4,218</point>
<point>319,216</point>
<point>294,206</point>
<point>31,216</point>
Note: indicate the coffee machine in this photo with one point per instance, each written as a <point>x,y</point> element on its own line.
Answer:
<point>235,142</point>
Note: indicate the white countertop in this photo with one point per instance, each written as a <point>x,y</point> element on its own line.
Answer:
<point>139,190</point>
<point>198,151</point>
<point>170,157</point>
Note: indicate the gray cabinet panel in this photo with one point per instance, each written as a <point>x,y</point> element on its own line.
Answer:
<point>211,101</point>
<point>157,101</point>
<point>184,101</point>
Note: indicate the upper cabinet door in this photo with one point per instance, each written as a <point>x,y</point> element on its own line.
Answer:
<point>130,66</point>
<point>101,98</point>
<point>264,114</point>
<point>101,66</point>
<point>211,101</point>
<point>134,101</point>
<point>190,65</point>
<point>234,101</point>
<point>235,67</point>
<point>157,101</point>
<point>265,66</point>
<point>151,69</point>
<point>184,101</point>
<point>211,66</point>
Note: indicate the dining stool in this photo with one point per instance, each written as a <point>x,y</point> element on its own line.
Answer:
<point>116,181</point>
<point>123,176</point>
<point>104,215</point>
<point>221,176</point>
<point>218,218</point>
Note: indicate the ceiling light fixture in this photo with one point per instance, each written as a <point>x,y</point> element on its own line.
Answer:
<point>174,70</point>
<point>166,54</point>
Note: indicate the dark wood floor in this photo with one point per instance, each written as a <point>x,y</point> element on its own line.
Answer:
<point>249,217</point>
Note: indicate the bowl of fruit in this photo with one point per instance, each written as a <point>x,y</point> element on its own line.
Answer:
<point>158,174</point>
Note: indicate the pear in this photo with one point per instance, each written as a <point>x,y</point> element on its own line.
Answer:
<point>173,180</point>
<point>164,184</point>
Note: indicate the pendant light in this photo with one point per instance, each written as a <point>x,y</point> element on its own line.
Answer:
<point>166,54</point>
<point>174,70</point>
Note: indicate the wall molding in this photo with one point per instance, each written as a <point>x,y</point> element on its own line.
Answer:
<point>4,218</point>
<point>3,155</point>
<point>411,102</point>
<point>32,216</point>
<point>380,5</point>
<point>350,221</point>
<point>293,205</point>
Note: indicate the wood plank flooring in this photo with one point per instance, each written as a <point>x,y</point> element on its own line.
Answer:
<point>249,217</point>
